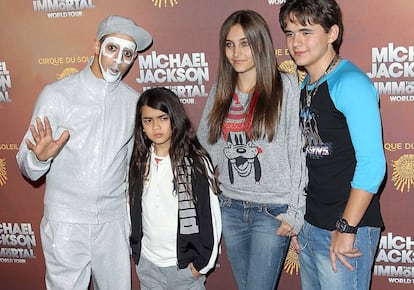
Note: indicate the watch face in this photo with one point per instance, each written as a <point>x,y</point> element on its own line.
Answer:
<point>343,227</point>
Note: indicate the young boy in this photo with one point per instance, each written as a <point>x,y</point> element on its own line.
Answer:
<point>341,122</point>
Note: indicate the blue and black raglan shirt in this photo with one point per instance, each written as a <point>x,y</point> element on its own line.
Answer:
<point>344,148</point>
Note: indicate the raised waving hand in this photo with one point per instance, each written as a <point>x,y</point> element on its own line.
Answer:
<point>44,146</point>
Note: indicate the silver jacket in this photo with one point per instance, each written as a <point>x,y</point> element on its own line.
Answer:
<point>87,181</point>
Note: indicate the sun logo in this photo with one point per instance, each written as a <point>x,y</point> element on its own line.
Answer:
<point>403,173</point>
<point>66,72</point>
<point>158,3</point>
<point>289,66</point>
<point>292,261</point>
<point>3,172</point>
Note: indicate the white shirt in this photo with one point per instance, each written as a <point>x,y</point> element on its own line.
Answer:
<point>160,214</point>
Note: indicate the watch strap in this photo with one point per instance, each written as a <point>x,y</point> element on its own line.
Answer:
<point>342,226</point>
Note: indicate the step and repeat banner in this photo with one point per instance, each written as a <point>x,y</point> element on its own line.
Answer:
<point>45,40</point>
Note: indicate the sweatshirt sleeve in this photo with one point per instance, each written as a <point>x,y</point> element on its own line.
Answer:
<point>203,127</point>
<point>297,158</point>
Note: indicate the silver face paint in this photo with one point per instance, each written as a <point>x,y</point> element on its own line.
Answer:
<point>120,51</point>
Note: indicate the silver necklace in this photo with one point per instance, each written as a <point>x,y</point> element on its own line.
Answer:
<point>311,93</point>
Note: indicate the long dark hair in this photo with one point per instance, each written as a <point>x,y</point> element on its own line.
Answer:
<point>185,149</point>
<point>269,86</point>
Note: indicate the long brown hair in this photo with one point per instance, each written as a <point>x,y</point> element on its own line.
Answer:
<point>269,87</point>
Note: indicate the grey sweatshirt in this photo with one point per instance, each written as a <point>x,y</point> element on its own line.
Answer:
<point>259,171</point>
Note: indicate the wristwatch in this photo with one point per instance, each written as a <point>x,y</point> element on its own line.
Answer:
<point>342,226</point>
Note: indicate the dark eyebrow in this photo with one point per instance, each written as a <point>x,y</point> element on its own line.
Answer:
<point>155,117</point>
<point>241,39</point>
<point>300,30</point>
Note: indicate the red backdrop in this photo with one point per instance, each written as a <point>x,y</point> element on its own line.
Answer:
<point>46,40</point>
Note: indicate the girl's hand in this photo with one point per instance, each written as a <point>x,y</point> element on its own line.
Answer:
<point>285,229</point>
<point>295,244</point>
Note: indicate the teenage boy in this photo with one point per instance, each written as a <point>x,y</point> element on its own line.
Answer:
<point>341,123</point>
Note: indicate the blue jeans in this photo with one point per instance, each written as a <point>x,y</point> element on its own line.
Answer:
<point>315,266</point>
<point>255,252</point>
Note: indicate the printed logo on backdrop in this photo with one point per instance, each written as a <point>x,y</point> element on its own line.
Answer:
<point>173,3</point>
<point>289,66</point>
<point>403,167</point>
<point>64,60</point>
<point>5,83</point>
<point>291,264</point>
<point>62,8</point>
<point>3,172</point>
<point>164,3</point>
<point>395,259</point>
<point>403,172</point>
<point>3,163</point>
<point>276,2</point>
<point>184,73</point>
<point>17,243</point>
<point>392,72</point>
<point>66,72</point>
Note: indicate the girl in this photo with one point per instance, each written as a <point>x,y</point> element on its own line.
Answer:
<point>175,215</point>
<point>250,127</point>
